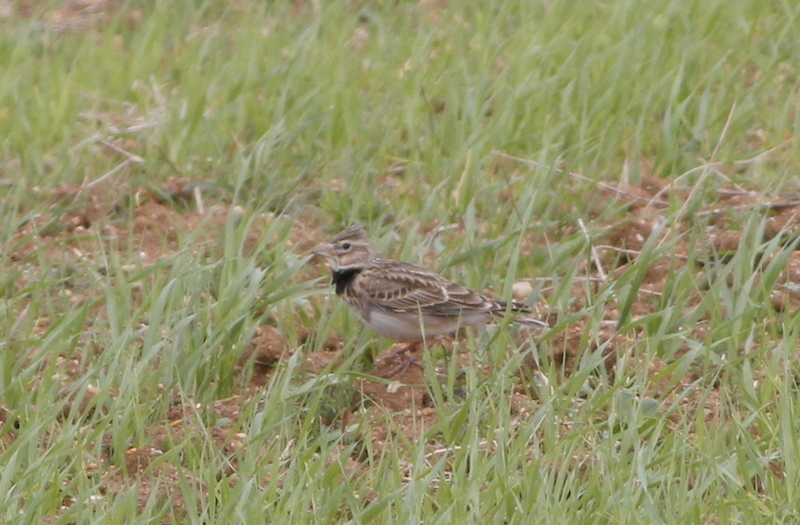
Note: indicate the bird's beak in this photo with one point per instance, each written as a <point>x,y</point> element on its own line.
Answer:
<point>323,250</point>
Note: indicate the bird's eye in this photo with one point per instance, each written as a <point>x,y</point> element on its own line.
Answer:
<point>346,246</point>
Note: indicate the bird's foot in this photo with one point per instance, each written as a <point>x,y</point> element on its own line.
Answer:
<point>405,364</point>
<point>403,367</point>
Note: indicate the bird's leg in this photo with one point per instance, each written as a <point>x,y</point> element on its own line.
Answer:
<point>405,364</point>
<point>403,367</point>
<point>410,347</point>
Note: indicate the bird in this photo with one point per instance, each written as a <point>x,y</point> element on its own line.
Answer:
<point>403,301</point>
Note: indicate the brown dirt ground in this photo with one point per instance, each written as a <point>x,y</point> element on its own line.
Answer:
<point>161,218</point>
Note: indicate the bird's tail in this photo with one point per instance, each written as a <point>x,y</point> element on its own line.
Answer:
<point>530,322</point>
<point>520,308</point>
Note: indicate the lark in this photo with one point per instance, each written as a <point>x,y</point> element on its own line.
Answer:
<point>403,301</point>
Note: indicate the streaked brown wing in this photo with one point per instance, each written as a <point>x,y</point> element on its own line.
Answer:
<point>401,286</point>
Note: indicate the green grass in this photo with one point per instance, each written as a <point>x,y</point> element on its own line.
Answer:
<point>394,114</point>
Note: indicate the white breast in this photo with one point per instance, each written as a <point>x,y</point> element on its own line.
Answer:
<point>406,326</point>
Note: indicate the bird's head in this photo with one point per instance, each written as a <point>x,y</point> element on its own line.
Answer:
<point>349,250</point>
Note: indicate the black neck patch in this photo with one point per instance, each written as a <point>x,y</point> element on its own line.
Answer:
<point>343,279</point>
